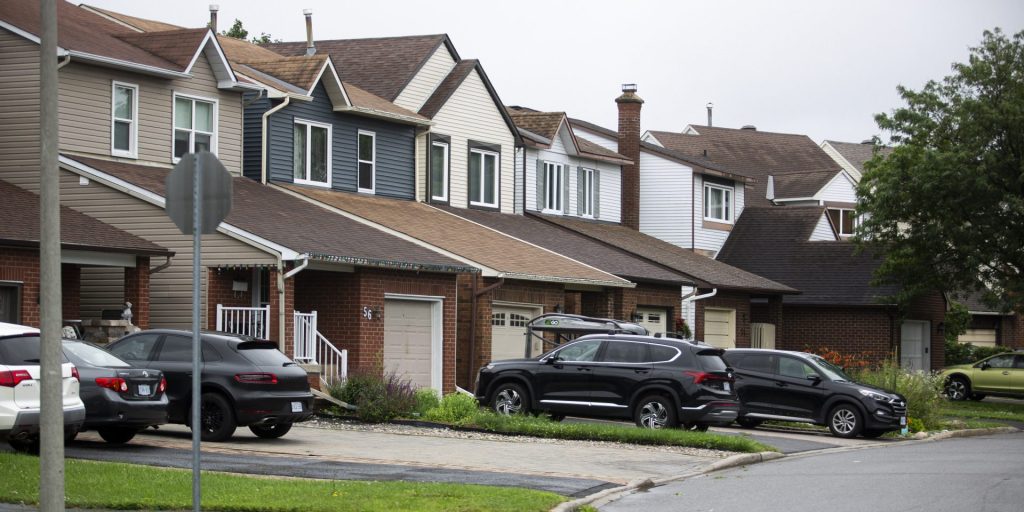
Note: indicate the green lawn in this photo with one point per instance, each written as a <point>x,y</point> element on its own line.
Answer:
<point>108,485</point>
<point>983,410</point>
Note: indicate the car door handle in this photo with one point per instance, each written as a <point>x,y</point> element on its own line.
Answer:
<point>1006,372</point>
<point>642,371</point>
<point>780,384</point>
<point>582,369</point>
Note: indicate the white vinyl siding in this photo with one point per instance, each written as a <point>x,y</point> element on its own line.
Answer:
<point>822,231</point>
<point>839,190</point>
<point>597,138</point>
<point>666,199</point>
<point>124,119</point>
<point>471,114</point>
<point>426,80</point>
<point>608,178</point>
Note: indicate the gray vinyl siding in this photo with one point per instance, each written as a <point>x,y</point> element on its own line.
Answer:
<point>395,146</point>
<point>252,139</point>
<point>170,289</point>
<point>19,110</point>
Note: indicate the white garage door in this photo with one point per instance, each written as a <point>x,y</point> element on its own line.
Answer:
<point>407,340</point>
<point>720,327</point>
<point>508,332</point>
<point>655,320</point>
<point>979,337</point>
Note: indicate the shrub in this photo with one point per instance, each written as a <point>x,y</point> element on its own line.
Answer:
<point>958,353</point>
<point>847,360</point>
<point>915,425</point>
<point>379,397</point>
<point>982,352</point>
<point>426,399</point>
<point>455,408</point>
<point>923,391</point>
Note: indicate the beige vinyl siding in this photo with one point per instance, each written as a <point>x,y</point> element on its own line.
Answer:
<point>470,114</point>
<point>170,289</point>
<point>85,95</point>
<point>101,288</point>
<point>19,110</point>
<point>426,80</point>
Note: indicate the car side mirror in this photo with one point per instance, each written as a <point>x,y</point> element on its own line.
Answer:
<point>552,359</point>
<point>814,378</point>
<point>985,366</point>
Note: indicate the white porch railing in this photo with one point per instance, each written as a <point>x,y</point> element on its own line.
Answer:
<point>253,322</point>
<point>311,347</point>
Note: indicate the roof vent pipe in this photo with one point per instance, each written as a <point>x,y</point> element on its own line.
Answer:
<point>710,106</point>
<point>749,127</point>
<point>310,49</point>
<point>213,17</point>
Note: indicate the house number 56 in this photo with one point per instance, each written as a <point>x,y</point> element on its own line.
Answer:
<point>368,313</point>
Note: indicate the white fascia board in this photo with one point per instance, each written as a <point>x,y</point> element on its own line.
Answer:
<point>369,112</point>
<point>334,87</point>
<point>620,283</point>
<point>485,271</point>
<point>649,137</point>
<point>158,200</point>
<point>220,64</point>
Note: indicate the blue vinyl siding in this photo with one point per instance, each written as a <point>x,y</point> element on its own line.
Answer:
<point>252,135</point>
<point>395,164</point>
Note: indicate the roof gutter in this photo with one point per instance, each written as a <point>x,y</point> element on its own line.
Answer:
<point>694,298</point>
<point>300,268</point>
<point>133,66</point>
<point>266,119</point>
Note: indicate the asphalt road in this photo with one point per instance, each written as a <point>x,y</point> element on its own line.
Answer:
<point>977,474</point>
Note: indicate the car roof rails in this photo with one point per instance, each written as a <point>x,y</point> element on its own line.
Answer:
<point>580,325</point>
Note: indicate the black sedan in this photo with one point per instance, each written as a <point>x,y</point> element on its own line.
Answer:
<point>245,381</point>
<point>120,399</point>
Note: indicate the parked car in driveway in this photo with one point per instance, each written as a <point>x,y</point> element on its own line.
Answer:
<point>998,375</point>
<point>19,389</point>
<point>245,381</point>
<point>801,387</point>
<point>120,399</point>
<point>658,382</point>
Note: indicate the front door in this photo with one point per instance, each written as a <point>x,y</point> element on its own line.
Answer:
<point>720,327</point>
<point>914,343</point>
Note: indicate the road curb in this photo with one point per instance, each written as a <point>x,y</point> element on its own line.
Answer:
<point>973,432</point>
<point>640,484</point>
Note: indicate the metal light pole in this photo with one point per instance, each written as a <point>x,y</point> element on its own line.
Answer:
<point>51,416</point>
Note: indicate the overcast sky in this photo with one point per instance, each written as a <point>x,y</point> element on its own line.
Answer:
<point>822,68</point>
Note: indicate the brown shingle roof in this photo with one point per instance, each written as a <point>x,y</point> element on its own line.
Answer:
<point>752,153</point>
<point>705,270</point>
<point>19,210</point>
<point>142,24</point>
<point>509,257</point>
<point>237,50</point>
<point>544,124</point>
<point>299,71</point>
<point>802,184</point>
<point>772,242</point>
<point>363,99</point>
<point>856,153</point>
<point>382,66</point>
<point>177,46</point>
<point>299,225</point>
<point>588,148</point>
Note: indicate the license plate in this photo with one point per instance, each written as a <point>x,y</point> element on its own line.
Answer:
<point>144,389</point>
<point>296,406</point>
<point>727,386</point>
<point>903,421</point>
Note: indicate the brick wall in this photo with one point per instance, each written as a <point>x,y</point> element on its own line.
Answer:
<point>1011,331</point>
<point>870,330</point>
<point>727,300</point>
<point>22,266</point>
<point>71,289</point>
<point>136,291</point>
<point>629,105</point>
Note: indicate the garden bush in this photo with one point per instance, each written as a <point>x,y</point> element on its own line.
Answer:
<point>922,390</point>
<point>455,409</point>
<point>426,399</point>
<point>379,397</point>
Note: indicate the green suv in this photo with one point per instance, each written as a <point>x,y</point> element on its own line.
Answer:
<point>998,375</point>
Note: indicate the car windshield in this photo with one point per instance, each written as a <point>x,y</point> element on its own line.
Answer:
<point>830,370</point>
<point>92,355</point>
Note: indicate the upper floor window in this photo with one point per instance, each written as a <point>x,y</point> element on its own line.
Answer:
<point>367,161</point>
<point>195,125</point>
<point>587,190</point>
<point>843,219</point>
<point>439,171</point>
<point>311,158</point>
<point>553,187</point>
<point>124,128</point>
<point>483,178</point>
<point>717,203</point>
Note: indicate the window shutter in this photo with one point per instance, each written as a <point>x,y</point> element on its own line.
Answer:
<point>597,194</point>
<point>540,184</point>
<point>565,188</point>
<point>580,192</point>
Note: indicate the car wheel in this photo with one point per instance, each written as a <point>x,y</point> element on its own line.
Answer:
<point>510,399</point>
<point>844,421</point>
<point>957,388</point>
<point>746,422</point>
<point>977,397</point>
<point>873,434</point>
<point>655,411</point>
<point>117,435</point>
<point>270,431</point>
<point>30,446</point>
<point>216,419</point>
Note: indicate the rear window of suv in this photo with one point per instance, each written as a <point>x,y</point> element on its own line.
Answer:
<point>262,354</point>
<point>711,360</point>
<point>21,351</point>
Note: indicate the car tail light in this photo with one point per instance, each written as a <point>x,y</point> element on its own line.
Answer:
<point>699,377</point>
<point>163,385</point>
<point>256,378</point>
<point>11,378</point>
<point>75,374</point>
<point>115,383</point>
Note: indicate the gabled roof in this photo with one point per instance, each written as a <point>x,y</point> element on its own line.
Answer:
<point>541,128</point>
<point>382,66</point>
<point>268,214</point>
<point>574,245</point>
<point>856,154</point>
<point>20,213</point>
<point>773,242</point>
<point>177,45</point>
<point>497,254</point>
<point>802,184</point>
<point>752,153</point>
<point>451,83</point>
<point>545,124</point>
<point>703,270</point>
<point>138,24</point>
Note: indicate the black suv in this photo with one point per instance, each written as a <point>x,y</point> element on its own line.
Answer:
<point>658,382</point>
<point>802,387</point>
<point>245,381</point>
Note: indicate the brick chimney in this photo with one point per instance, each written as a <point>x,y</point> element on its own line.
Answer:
<point>629,146</point>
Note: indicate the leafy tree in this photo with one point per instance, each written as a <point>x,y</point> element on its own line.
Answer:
<point>946,207</point>
<point>236,31</point>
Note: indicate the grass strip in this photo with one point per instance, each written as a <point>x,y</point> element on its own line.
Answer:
<point>108,485</point>
<point>983,410</point>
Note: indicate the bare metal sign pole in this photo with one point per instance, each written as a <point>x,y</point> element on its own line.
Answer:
<point>51,416</point>
<point>197,256</point>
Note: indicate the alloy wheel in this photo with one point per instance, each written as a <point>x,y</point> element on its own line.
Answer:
<point>508,402</point>
<point>653,415</point>
<point>956,390</point>
<point>844,421</point>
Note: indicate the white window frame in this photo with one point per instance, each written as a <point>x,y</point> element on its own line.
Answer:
<point>587,209</point>
<point>447,149</point>
<point>481,153</point>
<point>553,188</point>
<point>133,133</point>
<point>729,206</point>
<point>309,161</point>
<point>192,132</point>
<point>839,225</point>
<point>373,163</point>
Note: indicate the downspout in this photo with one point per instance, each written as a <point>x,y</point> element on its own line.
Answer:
<point>281,313</point>
<point>300,268</point>
<point>693,220</point>
<point>476,294</point>
<point>162,267</point>
<point>694,298</point>
<point>67,59</point>
<point>265,156</point>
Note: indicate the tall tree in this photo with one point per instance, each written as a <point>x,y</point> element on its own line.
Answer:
<point>946,207</point>
<point>236,31</point>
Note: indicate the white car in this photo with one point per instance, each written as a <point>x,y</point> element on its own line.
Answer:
<point>19,389</point>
